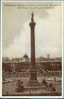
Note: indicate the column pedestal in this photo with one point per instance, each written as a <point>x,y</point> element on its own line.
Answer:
<point>33,82</point>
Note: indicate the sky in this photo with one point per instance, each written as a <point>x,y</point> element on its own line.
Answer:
<point>16,30</point>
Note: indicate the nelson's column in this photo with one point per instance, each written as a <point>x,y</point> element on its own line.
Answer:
<point>33,72</point>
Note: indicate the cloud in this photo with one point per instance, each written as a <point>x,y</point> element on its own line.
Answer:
<point>47,32</point>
